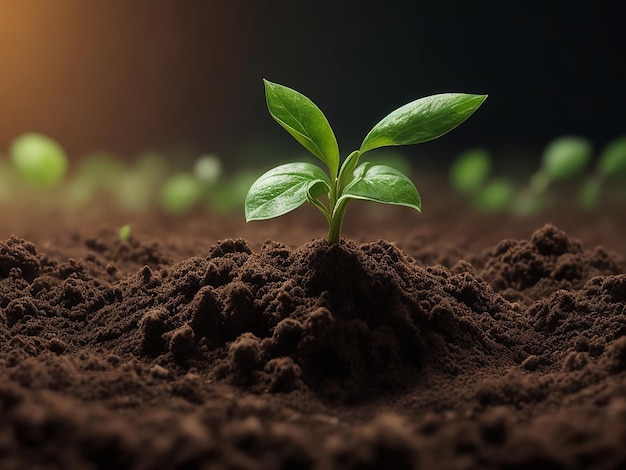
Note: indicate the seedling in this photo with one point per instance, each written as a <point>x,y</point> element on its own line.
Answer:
<point>207,169</point>
<point>611,165</point>
<point>288,186</point>
<point>470,170</point>
<point>469,175</point>
<point>40,160</point>
<point>180,193</point>
<point>564,159</point>
<point>229,193</point>
<point>124,232</point>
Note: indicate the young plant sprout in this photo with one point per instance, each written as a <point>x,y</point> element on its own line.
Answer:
<point>611,165</point>
<point>563,159</point>
<point>228,195</point>
<point>40,160</point>
<point>124,232</point>
<point>288,186</point>
<point>469,175</point>
<point>470,170</point>
<point>207,169</point>
<point>180,193</point>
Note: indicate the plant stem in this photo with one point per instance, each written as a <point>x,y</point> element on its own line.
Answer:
<point>336,222</point>
<point>335,219</point>
<point>336,216</point>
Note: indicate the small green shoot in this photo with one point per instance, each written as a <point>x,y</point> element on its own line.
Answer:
<point>207,169</point>
<point>124,232</point>
<point>288,186</point>
<point>470,170</point>
<point>611,165</point>
<point>564,158</point>
<point>39,159</point>
<point>494,196</point>
<point>612,161</point>
<point>180,193</point>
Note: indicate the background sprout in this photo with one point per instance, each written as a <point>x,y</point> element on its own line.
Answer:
<point>612,161</point>
<point>39,159</point>
<point>563,158</point>
<point>97,176</point>
<point>180,193</point>
<point>133,191</point>
<point>611,165</point>
<point>495,196</point>
<point>470,170</point>
<point>469,175</point>
<point>124,232</point>
<point>153,167</point>
<point>589,193</point>
<point>229,195</point>
<point>207,169</point>
<point>101,169</point>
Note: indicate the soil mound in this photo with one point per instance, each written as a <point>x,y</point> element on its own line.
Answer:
<point>307,357</point>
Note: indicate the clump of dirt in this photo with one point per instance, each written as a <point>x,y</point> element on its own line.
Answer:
<point>527,270</point>
<point>354,355</point>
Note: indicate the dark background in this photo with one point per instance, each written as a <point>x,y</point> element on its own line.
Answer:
<point>136,74</point>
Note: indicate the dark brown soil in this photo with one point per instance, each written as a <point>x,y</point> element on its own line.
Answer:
<point>465,343</point>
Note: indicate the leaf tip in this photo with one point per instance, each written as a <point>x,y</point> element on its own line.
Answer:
<point>482,98</point>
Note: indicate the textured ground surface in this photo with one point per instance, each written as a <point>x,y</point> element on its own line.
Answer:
<point>463,344</point>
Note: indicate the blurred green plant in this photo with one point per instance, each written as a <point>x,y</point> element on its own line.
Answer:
<point>207,169</point>
<point>41,161</point>
<point>611,165</point>
<point>102,178</point>
<point>230,192</point>
<point>469,174</point>
<point>180,193</point>
<point>124,232</point>
<point>495,196</point>
<point>470,170</point>
<point>564,159</point>
<point>183,191</point>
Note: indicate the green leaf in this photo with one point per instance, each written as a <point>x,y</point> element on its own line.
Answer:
<point>180,193</point>
<point>496,196</point>
<point>565,157</point>
<point>347,168</point>
<point>422,120</point>
<point>39,159</point>
<point>612,161</point>
<point>304,121</point>
<point>381,183</point>
<point>589,194</point>
<point>283,189</point>
<point>470,170</point>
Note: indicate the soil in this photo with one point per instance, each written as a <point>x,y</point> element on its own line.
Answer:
<point>453,341</point>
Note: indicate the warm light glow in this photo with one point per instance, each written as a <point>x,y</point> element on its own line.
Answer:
<point>117,75</point>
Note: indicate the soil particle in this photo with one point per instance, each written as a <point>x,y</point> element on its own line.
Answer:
<point>355,356</point>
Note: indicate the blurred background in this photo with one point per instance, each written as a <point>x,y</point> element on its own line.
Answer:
<point>125,76</point>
